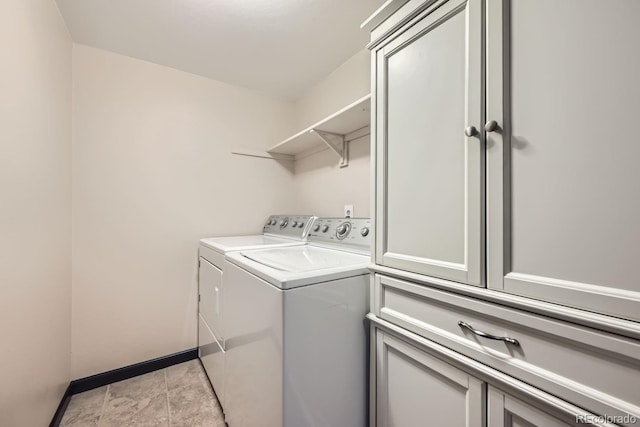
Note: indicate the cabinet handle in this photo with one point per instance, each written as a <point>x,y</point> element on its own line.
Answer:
<point>491,126</point>
<point>470,131</point>
<point>489,336</point>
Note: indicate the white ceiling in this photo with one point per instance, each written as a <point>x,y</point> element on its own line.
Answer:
<point>280,47</point>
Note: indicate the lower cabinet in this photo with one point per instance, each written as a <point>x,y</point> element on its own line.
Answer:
<point>416,389</point>
<point>507,411</point>
<point>411,387</point>
<point>592,369</point>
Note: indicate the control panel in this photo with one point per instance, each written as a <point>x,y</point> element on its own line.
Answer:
<point>293,226</point>
<point>355,232</point>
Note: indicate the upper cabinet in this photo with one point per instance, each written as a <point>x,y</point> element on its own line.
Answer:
<point>429,187</point>
<point>563,182</point>
<point>506,151</point>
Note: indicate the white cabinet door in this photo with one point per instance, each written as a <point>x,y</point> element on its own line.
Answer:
<point>415,389</point>
<point>507,411</point>
<point>429,186</point>
<point>563,181</point>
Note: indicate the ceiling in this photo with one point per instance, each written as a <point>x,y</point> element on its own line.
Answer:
<point>279,47</point>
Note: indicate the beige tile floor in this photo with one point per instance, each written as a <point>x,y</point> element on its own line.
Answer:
<point>178,396</point>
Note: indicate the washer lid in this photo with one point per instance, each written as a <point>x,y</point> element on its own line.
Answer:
<point>240,243</point>
<point>307,258</point>
<point>295,266</point>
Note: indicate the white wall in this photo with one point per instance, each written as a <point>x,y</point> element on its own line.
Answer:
<point>152,174</point>
<point>35,213</point>
<point>348,82</point>
<point>322,187</point>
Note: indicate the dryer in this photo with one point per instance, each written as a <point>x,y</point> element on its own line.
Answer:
<point>278,231</point>
<point>296,344</point>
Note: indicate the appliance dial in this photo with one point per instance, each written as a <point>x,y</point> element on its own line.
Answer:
<point>316,227</point>
<point>301,224</point>
<point>284,223</point>
<point>325,228</point>
<point>295,224</point>
<point>343,230</point>
<point>364,231</point>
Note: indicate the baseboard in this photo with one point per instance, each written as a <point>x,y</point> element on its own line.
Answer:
<point>99,380</point>
<point>62,407</point>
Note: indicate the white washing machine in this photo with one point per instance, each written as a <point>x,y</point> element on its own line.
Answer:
<point>278,231</point>
<point>296,337</point>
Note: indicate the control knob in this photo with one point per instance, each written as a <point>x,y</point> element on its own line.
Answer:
<point>316,227</point>
<point>301,224</point>
<point>364,231</point>
<point>325,228</point>
<point>295,224</point>
<point>343,230</point>
<point>284,223</point>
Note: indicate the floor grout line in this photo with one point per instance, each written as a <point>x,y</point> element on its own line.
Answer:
<point>104,404</point>
<point>166,388</point>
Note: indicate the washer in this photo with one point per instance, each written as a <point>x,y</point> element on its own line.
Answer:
<point>296,347</point>
<point>278,231</point>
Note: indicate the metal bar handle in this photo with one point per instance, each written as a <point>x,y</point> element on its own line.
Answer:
<point>489,336</point>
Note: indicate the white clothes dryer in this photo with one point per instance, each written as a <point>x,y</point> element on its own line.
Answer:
<point>278,231</point>
<point>296,336</point>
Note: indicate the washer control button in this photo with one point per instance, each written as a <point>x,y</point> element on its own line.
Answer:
<point>364,231</point>
<point>325,228</point>
<point>300,224</point>
<point>284,223</point>
<point>295,224</point>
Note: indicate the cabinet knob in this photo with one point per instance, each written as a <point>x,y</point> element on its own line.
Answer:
<point>470,131</point>
<point>491,126</point>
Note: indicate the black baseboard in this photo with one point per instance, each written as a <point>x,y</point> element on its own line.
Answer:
<point>99,380</point>
<point>62,407</point>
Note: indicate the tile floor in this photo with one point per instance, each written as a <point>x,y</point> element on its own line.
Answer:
<point>178,396</point>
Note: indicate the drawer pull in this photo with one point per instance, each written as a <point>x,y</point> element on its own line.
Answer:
<point>486,335</point>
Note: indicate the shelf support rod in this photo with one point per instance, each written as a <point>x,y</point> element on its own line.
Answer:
<point>336,142</point>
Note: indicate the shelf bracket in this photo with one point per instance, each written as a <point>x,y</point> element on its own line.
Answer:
<point>337,143</point>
